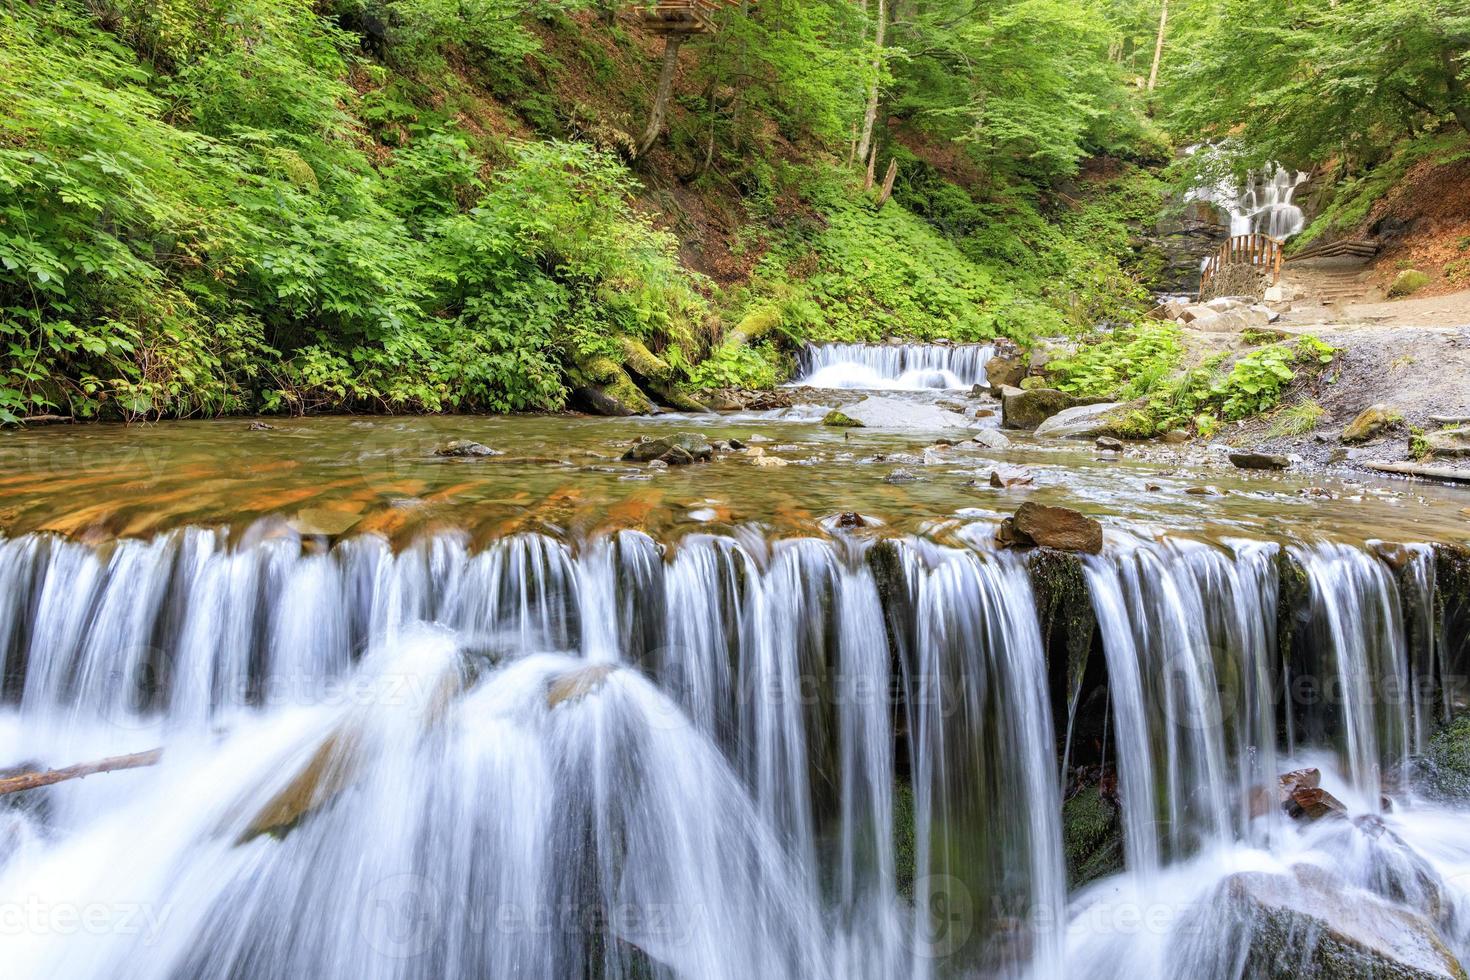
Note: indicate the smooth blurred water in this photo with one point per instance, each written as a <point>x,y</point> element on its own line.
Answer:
<point>903,367</point>
<point>737,757</point>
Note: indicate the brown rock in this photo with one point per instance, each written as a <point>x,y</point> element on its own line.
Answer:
<point>1005,478</point>
<point>1313,803</point>
<point>1051,527</point>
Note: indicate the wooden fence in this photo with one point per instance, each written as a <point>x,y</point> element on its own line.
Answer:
<point>1261,251</point>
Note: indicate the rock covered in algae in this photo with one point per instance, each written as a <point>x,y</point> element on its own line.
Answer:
<point>841,420</point>
<point>676,450</point>
<point>1370,423</point>
<point>466,449</point>
<point>1310,924</point>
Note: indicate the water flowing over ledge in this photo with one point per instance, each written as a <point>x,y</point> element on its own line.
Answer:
<point>735,758</point>
<point>906,367</point>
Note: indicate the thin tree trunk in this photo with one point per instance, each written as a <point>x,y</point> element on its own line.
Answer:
<point>1153,75</point>
<point>871,115</point>
<point>661,96</point>
<point>35,780</point>
<point>1459,97</point>
<point>888,179</point>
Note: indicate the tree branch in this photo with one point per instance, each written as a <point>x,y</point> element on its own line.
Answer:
<point>35,780</point>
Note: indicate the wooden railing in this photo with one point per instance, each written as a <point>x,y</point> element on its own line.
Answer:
<point>1261,251</point>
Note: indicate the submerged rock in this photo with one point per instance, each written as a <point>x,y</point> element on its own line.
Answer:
<point>466,449</point>
<point>895,413</point>
<point>900,475</point>
<point>1370,423</point>
<point>1259,461</point>
<point>676,450</point>
<point>992,439</point>
<point>1006,477</point>
<point>577,684</point>
<point>1051,527</point>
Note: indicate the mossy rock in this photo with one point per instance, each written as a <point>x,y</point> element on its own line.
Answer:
<point>1370,423</point>
<point>1092,836</point>
<point>1407,283</point>
<point>1445,768</point>
<point>841,420</point>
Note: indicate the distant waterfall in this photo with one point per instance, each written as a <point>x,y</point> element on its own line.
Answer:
<point>894,366</point>
<point>1264,204</point>
<point>728,759</point>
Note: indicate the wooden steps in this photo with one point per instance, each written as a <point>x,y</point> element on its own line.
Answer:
<point>1347,248</point>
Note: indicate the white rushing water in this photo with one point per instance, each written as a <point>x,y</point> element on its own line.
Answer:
<point>1264,204</point>
<point>900,367</point>
<point>734,759</point>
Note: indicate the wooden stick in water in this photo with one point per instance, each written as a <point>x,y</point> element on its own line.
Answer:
<point>35,780</point>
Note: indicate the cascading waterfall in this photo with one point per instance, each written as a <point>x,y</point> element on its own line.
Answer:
<point>730,758</point>
<point>1265,203</point>
<point>910,367</point>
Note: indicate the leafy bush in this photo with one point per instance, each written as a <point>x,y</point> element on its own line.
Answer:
<point>1127,363</point>
<point>863,274</point>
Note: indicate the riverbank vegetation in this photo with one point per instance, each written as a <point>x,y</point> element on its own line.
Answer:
<point>503,205</point>
<point>287,206</point>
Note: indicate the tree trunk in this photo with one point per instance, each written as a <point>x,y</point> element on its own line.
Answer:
<point>1153,75</point>
<point>1459,97</point>
<point>871,115</point>
<point>661,97</point>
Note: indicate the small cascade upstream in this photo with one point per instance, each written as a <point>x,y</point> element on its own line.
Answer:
<point>903,367</point>
<point>735,757</point>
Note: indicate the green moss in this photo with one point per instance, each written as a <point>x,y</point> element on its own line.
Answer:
<point>836,418</point>
<point>1293,593</point>
<point>1092,836</point>
<point>1407,283</point>
<point>1064,607</point>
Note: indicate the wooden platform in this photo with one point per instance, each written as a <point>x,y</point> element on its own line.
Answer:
<point>683,16</point>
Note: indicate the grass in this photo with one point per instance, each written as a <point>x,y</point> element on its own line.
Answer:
<point>1298,419</point>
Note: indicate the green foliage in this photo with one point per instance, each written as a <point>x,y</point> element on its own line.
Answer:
<point>863,274</point>
<point>730,366</point>
<point>1073,258</point>
<point>1020,83</point>
<point>1301,81</point>
<point>1127,363</point>
<point>1141,363</point>
<point>1298,419</point>
<point>1407,283</point>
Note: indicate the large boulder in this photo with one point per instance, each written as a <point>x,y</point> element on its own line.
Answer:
<point>876,412</point>
<point>1370,423</point>
<point>1310,924</point>
<point>1006,370</point>
<point>1082,421</point>
<point>1051,527</point>
<point>1234,321</point>
<point>1028,409</point>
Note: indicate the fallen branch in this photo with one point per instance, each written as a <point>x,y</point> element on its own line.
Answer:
<point>35,780</point>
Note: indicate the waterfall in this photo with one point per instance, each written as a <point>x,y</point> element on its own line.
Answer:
<point>732,757</point>
<point>1264,204</point>
<point>910,367</point>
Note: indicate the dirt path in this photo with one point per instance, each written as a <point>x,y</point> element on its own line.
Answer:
<point>1412,355</point>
